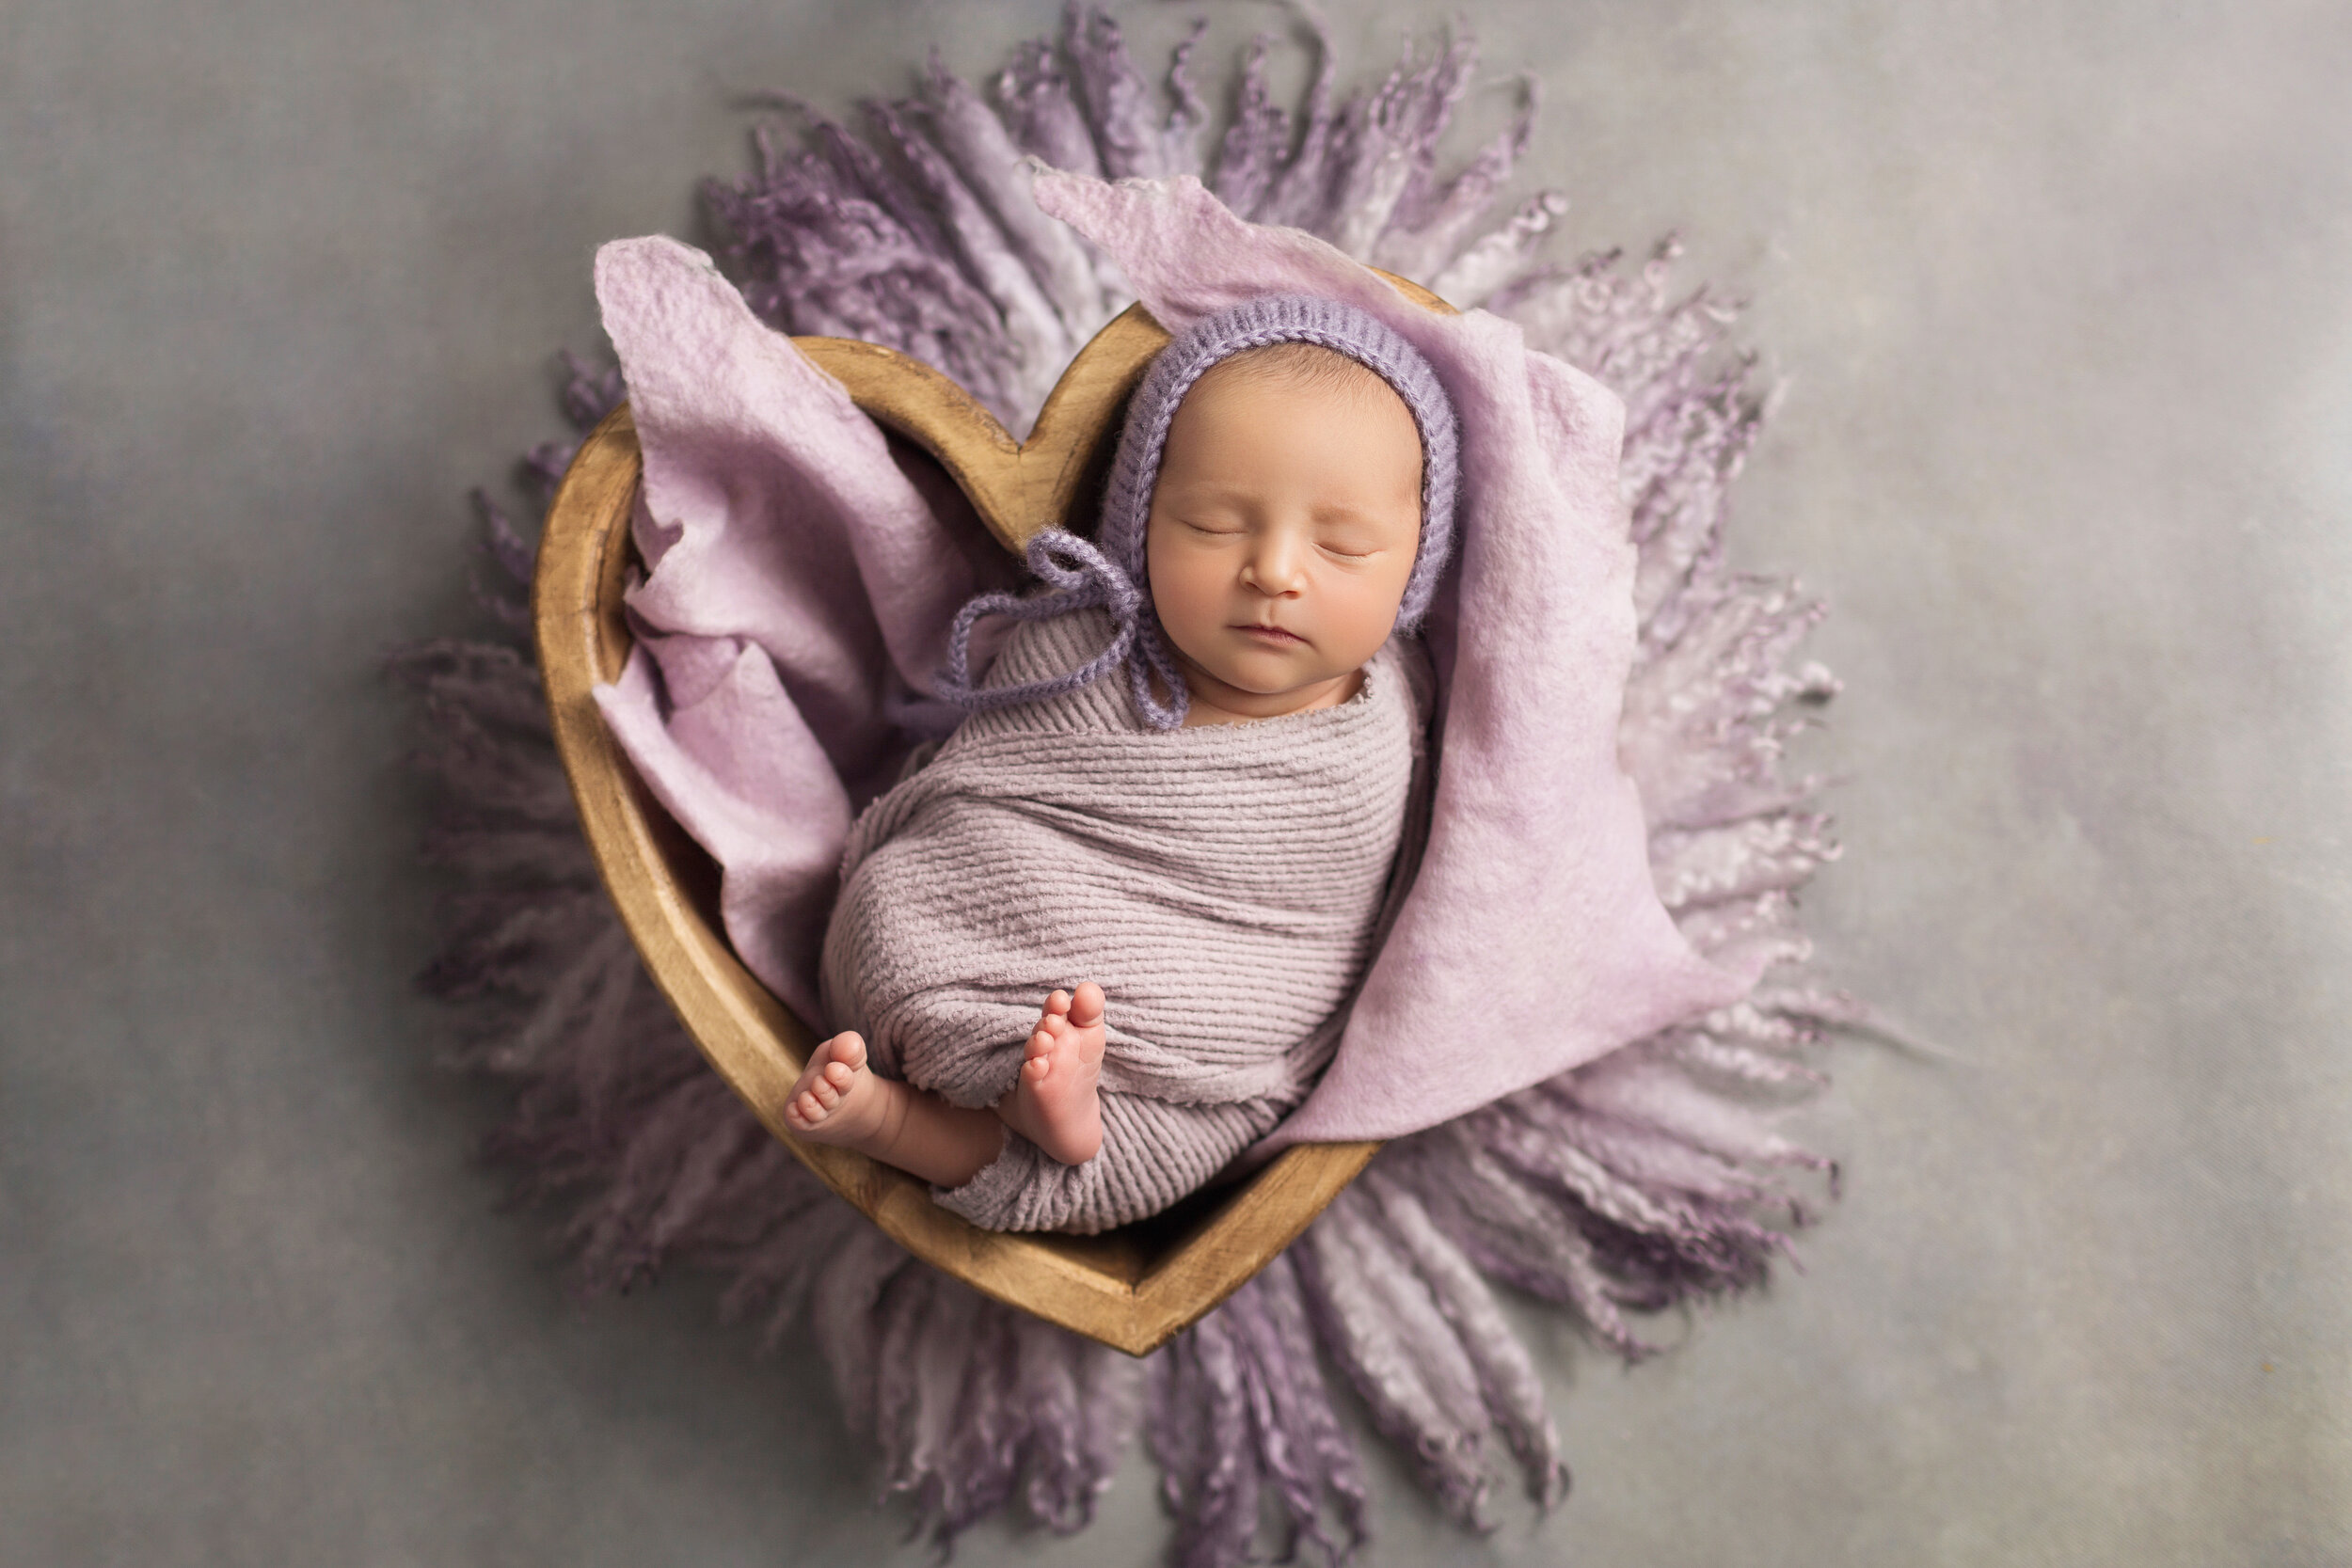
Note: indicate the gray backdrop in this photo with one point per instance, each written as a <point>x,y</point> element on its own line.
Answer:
<point>2060,296</point>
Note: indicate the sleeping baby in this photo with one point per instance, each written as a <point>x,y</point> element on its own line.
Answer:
<point>1104,939</point>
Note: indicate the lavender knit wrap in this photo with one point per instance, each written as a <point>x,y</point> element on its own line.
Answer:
<point>1113,571</point>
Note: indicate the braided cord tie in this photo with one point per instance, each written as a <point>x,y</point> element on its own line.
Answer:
<point>1077,576</point>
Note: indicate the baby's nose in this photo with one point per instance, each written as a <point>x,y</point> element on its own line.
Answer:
<point>1275,567</point>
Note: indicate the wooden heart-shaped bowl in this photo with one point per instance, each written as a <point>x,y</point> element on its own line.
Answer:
<point>1133,1288</point>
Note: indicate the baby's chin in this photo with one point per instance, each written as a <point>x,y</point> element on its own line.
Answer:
<point>1269,673</point>
<point>1265,688</point>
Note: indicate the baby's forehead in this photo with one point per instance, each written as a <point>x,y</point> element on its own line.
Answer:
<point>1272,386</point>
<point>1296,366</point>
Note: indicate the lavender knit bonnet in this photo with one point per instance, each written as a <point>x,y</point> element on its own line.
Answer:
<point>1111,571</point>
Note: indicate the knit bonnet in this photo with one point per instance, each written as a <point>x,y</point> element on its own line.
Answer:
<point>1111,572</point>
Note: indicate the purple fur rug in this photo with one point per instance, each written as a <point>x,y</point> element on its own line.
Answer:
<point>1649,1179</point>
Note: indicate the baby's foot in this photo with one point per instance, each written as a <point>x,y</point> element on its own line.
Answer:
<point>838,1099</point>
<point>1055,1105</point>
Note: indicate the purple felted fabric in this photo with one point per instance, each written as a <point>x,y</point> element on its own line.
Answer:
<point>777,525</point>
<point>1534,940</point>
<point>795,609</point>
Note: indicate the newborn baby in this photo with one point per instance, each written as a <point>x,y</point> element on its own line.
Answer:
<point>1193,860</point>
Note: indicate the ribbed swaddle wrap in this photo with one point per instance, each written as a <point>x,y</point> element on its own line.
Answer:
<point>1223,884</point>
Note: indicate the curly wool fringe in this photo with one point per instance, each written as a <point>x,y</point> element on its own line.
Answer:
<point>1649,1179</point>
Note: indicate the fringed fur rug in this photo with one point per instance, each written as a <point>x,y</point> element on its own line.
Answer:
<point>1649,1179</point>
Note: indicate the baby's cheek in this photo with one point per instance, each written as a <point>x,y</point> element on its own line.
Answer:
<point>1185,589</point>
<point>1363,610</point>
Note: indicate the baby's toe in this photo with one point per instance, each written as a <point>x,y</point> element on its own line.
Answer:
<point>839,1074</point>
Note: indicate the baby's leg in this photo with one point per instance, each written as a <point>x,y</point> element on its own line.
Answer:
<point>840,1101</point>
<point>1055,1105</point>
<point>1152,1154</point>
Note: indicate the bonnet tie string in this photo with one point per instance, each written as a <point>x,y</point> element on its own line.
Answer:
<point>1077,576</point>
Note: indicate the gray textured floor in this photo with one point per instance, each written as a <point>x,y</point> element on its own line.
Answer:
<point>2064,299</point>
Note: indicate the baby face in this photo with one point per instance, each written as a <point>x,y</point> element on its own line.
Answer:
<point>1282,532</point>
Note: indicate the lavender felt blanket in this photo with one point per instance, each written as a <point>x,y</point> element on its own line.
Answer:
<point>801,583</point>
<point>1221,884</point>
